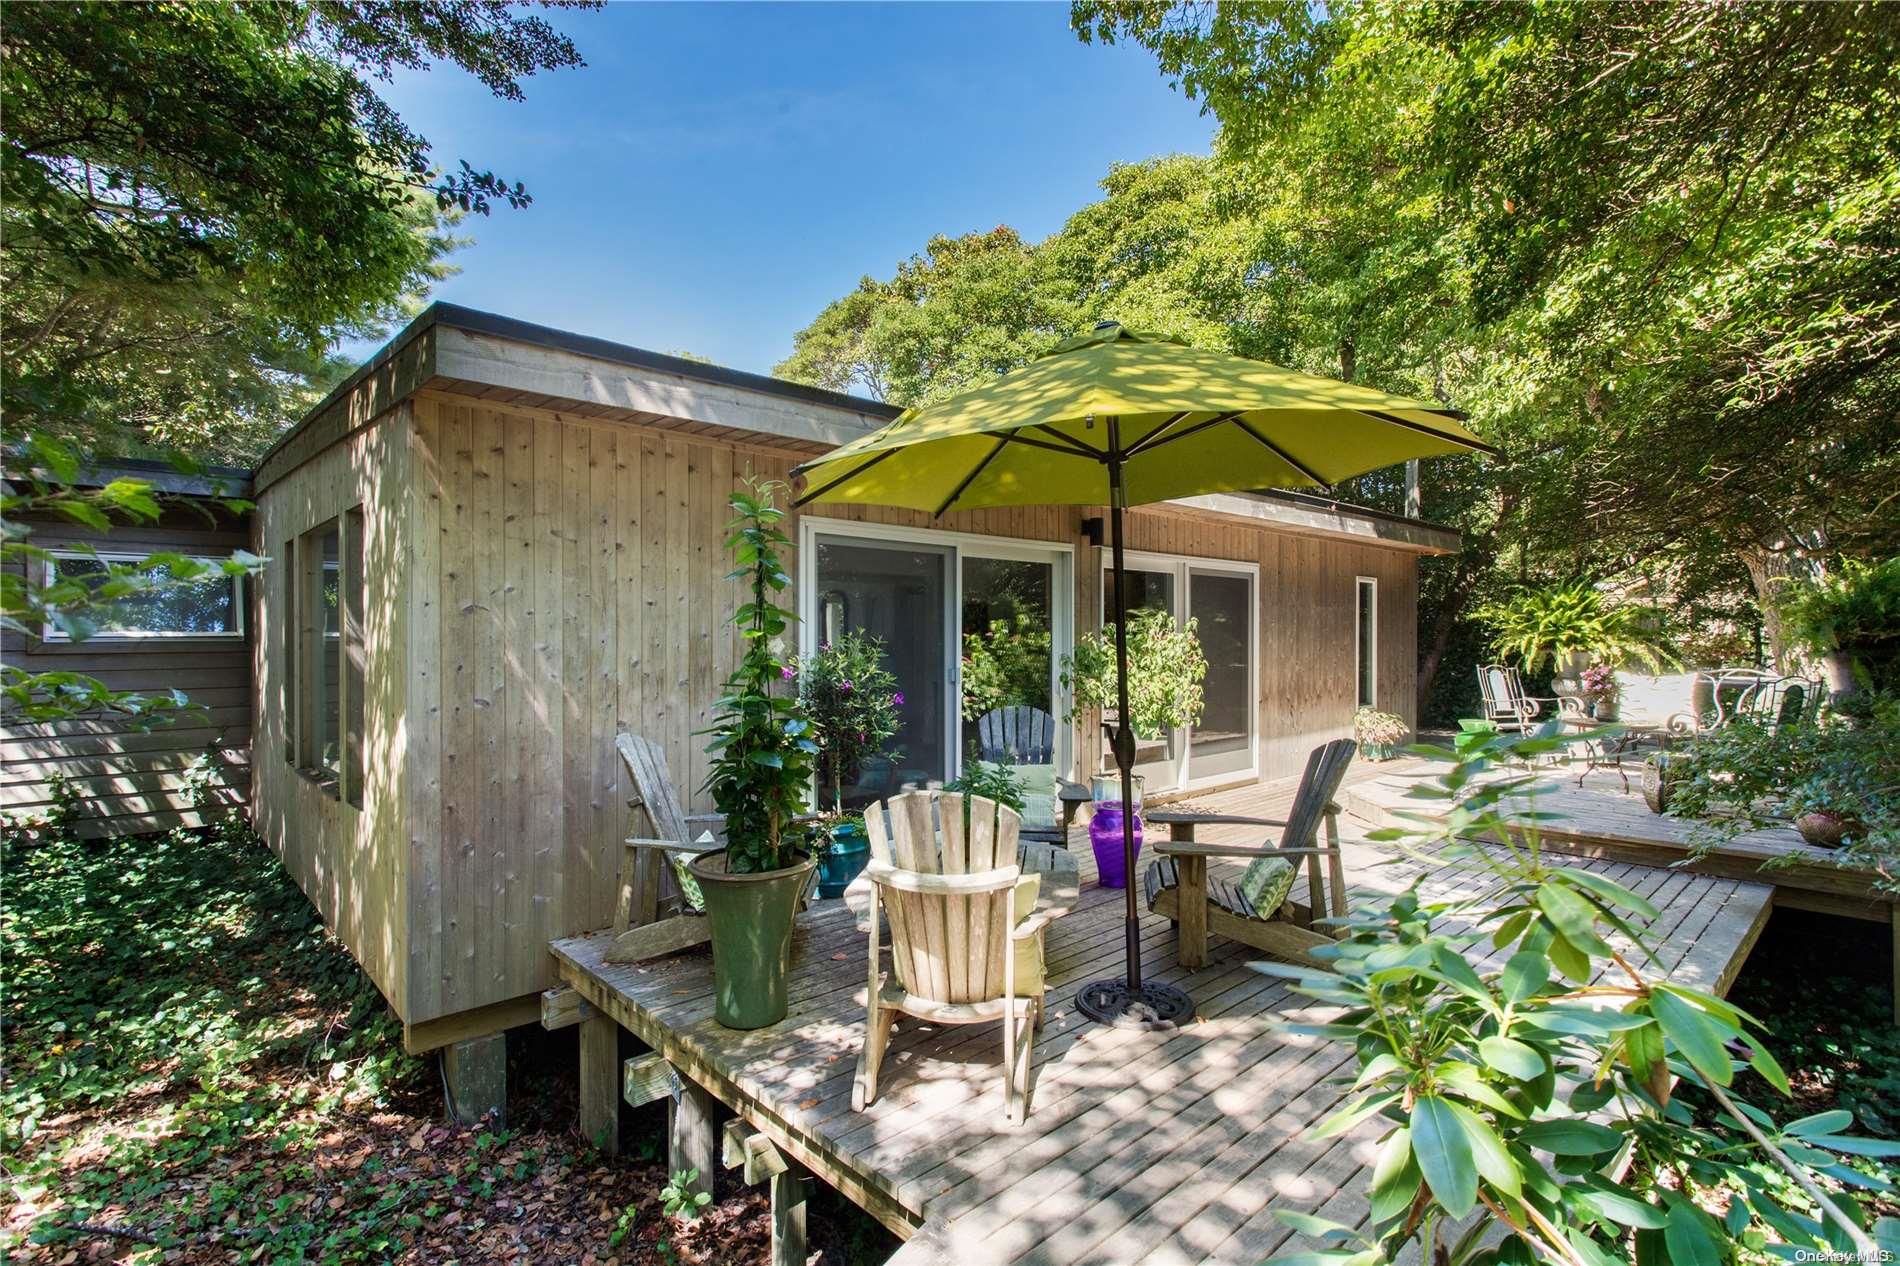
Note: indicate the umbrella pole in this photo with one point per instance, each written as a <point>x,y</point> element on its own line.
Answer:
<point>1127,1003</point>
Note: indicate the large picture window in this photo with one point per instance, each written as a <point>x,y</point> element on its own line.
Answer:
<point>209,605</point>
<point>325,654</point>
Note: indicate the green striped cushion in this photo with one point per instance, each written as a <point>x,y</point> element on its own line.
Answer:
<point>1265,885</point>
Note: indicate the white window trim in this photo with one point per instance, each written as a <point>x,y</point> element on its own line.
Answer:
<point>53,633</point>
<point>1182,567</point>
<point>1359,651</point>
<point>960,544</point>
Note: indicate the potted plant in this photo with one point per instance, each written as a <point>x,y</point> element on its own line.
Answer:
<point>1568,626</point>
<point>1601,692</point>
<point>1165,670</point>
<point>852,700</point>
<point>1850,618</point>
<point>1378,733</point>
<point>762,753</point>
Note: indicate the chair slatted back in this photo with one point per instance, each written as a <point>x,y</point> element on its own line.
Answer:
<point>948,947</point>
<point>653,790</point>
<point>1503,692</point>
<point>1325,771</point>
<point>1016,735</point>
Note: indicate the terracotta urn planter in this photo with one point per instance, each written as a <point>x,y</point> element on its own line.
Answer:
<point>1824,828</point>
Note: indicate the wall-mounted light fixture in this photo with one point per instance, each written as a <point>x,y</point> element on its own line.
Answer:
<point>1092,530</point>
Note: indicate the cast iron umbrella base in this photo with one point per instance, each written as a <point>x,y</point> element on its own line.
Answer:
<point>1150,1005</point>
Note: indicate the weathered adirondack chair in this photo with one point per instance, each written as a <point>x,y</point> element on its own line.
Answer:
<point>1016,735</point>
<point>961,914</point>
<point>1259,910</point>
<point>670,836</point>
<point>1510,709</point>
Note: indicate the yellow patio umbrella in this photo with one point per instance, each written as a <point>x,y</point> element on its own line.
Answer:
<point>1118,418</point>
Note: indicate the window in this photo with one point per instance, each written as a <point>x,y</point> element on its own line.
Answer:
<point>325,654</point>
<point>211,605</point>
<point>1366,637</point>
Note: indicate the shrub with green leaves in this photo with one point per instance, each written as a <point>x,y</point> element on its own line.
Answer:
<point>990,780</point>
<point>1006,666</point>
<point>1529,1064</point>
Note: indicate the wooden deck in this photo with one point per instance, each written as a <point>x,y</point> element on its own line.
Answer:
<point>1139,1147</point>
<point>1601,819</point>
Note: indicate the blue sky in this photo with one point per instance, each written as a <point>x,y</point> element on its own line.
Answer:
<point>717,173</point>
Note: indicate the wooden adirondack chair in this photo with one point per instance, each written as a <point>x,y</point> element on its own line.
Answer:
<point>1016,735</point>
<point>961,915</point>
<point>670,836</point>
<point>1259,910</point>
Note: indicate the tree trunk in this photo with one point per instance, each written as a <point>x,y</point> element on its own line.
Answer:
<point>1768,569</point>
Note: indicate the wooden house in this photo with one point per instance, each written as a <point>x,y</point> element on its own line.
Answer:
<point>498,545</point>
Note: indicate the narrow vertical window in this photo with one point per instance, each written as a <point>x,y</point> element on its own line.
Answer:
<point>351,578</point>
<point>289,623</point>
<point>1366,636</point>
<point>328,679</point>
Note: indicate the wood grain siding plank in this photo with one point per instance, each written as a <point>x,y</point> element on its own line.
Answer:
<point>430,508</point>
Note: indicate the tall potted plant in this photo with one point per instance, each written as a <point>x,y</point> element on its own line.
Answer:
<point>852,701</point>
<point>1850,618</point>
<point>1568,625</point>
<point>762,749</point>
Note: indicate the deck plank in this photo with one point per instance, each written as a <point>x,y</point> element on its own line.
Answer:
<point>1166,1148</point>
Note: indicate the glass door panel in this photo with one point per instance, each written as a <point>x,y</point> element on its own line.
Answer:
<point>1221,604</point>
<point>1157,756</point>
<point>901,595</point>
<point>1007,646</point>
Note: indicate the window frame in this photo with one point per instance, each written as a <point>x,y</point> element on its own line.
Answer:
<point>306,644</point>
<point>1359,657</point>
<point>53,635</point>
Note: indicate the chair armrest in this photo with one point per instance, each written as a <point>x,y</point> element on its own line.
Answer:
<point>1066,790</point>
<point>1198,848</point>
<point>671,846</point>
<point>1032,925</point>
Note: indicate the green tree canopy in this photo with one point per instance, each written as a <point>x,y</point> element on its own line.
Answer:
<point>203,198</point>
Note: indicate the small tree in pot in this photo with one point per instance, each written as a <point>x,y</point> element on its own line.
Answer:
<point>763,752</point>
<point>852,700</point>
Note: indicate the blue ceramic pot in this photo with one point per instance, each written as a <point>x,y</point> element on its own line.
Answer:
<point>842,862</point>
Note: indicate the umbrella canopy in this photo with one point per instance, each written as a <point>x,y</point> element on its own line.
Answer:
<point>1117,418</point>
<point>1213,423</point>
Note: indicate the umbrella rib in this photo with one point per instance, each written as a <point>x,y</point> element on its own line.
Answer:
<point>855,470</point>
<point>1065,449</point>
<point>1072,442</point>
<point>1475,445</point>
<point>1002,441</point>
<point>1149,441</point>
<point>1282,454</point>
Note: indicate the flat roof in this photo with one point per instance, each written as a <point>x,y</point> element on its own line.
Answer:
<point>1418,532</point>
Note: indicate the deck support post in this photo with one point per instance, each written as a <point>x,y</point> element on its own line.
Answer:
<point>600,1083</point>
<point>790,1190</point>
<point>693,1134</point>
<point>759,1160</point>
<point>476,1073</point>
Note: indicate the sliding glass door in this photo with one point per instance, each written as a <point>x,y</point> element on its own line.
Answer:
<point>1220,598</point>
<point>973,629</point>
<point>900,594</point>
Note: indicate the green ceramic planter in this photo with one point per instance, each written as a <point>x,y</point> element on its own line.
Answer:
<point>751,936</point>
